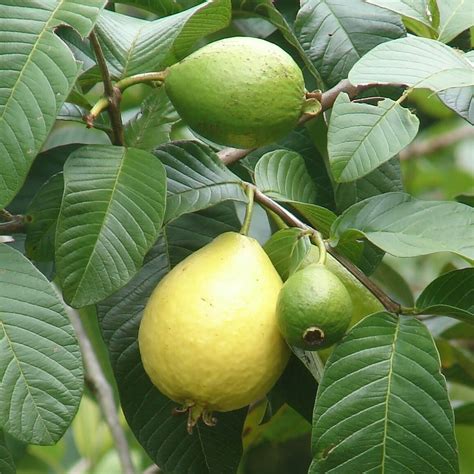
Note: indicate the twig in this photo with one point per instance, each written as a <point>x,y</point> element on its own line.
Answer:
<point>153,469</point>
<point>293,221</point>
<point>231,155</point>
<point>103,392</point>
<point>425,147</point>
<point>15,225</point>
<point>112,93</point>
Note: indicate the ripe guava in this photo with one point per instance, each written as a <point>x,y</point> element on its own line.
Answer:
<point>314,308</point>
<point>241,92</point>
<point>209,338</point>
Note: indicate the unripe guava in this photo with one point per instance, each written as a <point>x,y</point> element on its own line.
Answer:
<point>240,92</point>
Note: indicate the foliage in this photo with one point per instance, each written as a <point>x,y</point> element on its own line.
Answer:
<point>93,216</point>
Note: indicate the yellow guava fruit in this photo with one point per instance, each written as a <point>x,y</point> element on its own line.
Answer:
<point>209,338</point>
<point>241,92</point>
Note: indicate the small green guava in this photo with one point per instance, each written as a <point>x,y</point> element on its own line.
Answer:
<point>241,92</point>
<point>314,308</point>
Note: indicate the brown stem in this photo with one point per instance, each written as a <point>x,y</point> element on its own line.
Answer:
<point>425,147</point>
<point>293,221</point>
<point>15,225</point>
<point>231,155</point>
<point>113,94</point>
<point>103,391</point>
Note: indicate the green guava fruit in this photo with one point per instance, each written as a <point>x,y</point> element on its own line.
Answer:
<point>314,308</point>
<point>240,92</point>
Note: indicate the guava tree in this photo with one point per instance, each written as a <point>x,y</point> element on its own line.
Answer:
<point>109,178</point>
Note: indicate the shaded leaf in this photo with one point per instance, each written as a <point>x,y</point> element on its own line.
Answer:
<point>382,404</point>
<point>152,125</point>
<point>160,7</point>
<point>464,413</point>
<point>149,413</point>
<point>335,34</point>
<point>406,227</point>
<point>41,219</point>
<point>40,361</point>
<point>196,178</point>
<point>35,80</point>
<point>361,137</point>
<point>7,466</point>
<point>415,62</point>
<point>110,216</point>
<point>451,294</point>
<point>393,284</point>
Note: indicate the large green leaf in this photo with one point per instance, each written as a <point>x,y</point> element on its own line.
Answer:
<point>415,62</point>
<point>335,34</point>
<point>361,137</point>
<point>111,213</point>
<point>132,45</point>
<point>40,362</point>
<point>382,405</point>
<point>452,294</point>
<point>149,413</point>
<point>461,100</point>
<point>37,71</point>
<point>152,125</point>
<point>406,227</point>
<point>160,7</point>
<point>41,218</point>
<point>197,179</point>
<point>455,16</point>
<point>7,466</point>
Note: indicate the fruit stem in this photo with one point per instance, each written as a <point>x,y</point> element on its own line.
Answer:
<point>317,239</point>
<point>250,192</point>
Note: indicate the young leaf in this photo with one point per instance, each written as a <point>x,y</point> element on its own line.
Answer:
<point>382,404</point>
<point>40,362</point>
<point>110,216</point>
<point>415,62</point>
<point>197,179</point>
<point>361,137</point>
<point>149,413</point>
<point>41,219</point>
<point>406,227</point>
<point>451,294</point>
<point>287,248</point>
<point>7,466</point>
<point>152,125</point>
<point>330,32</point>
<point>133,45</point>
<point>455,16</point>
<point>36,79</point>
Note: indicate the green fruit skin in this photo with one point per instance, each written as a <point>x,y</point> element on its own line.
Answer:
<point>239,92</point>
<point>313,297</point>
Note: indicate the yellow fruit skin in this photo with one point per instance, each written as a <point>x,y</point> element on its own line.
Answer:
<point>209,334</point>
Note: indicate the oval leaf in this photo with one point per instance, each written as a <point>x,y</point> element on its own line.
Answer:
<point>406,227</point>
<point>452,294</point>
<point>35,80</point>
<point>382,405</point>
<point>112,210</point>
<point>415,62</point>
<point>40,362</point>
<point>361,137</point>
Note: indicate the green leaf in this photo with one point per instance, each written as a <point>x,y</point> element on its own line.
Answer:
<point>133,46</point>
<point>361,137</point>
<point>41,219</point>
<point>197,179</point>
<point>467,199</point>
<point>110,216</point>
<point>406,227</point>
<point>37,72</point>
<point>149,413</point>
<point>287,248</point>
<point>393,284</point>
<point>461,100</point>
<point>386,178</point>
<point>464,413</point>
<point>282,175</point>
<point>415,62</point>
<point>451,294</point>
<point>382,405</point>
<point>152,125</point>
<point>7,466</point>
<point>160,7</point>
<point>335,34</point>
<point>455,16</point>
<point>40,362</point>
